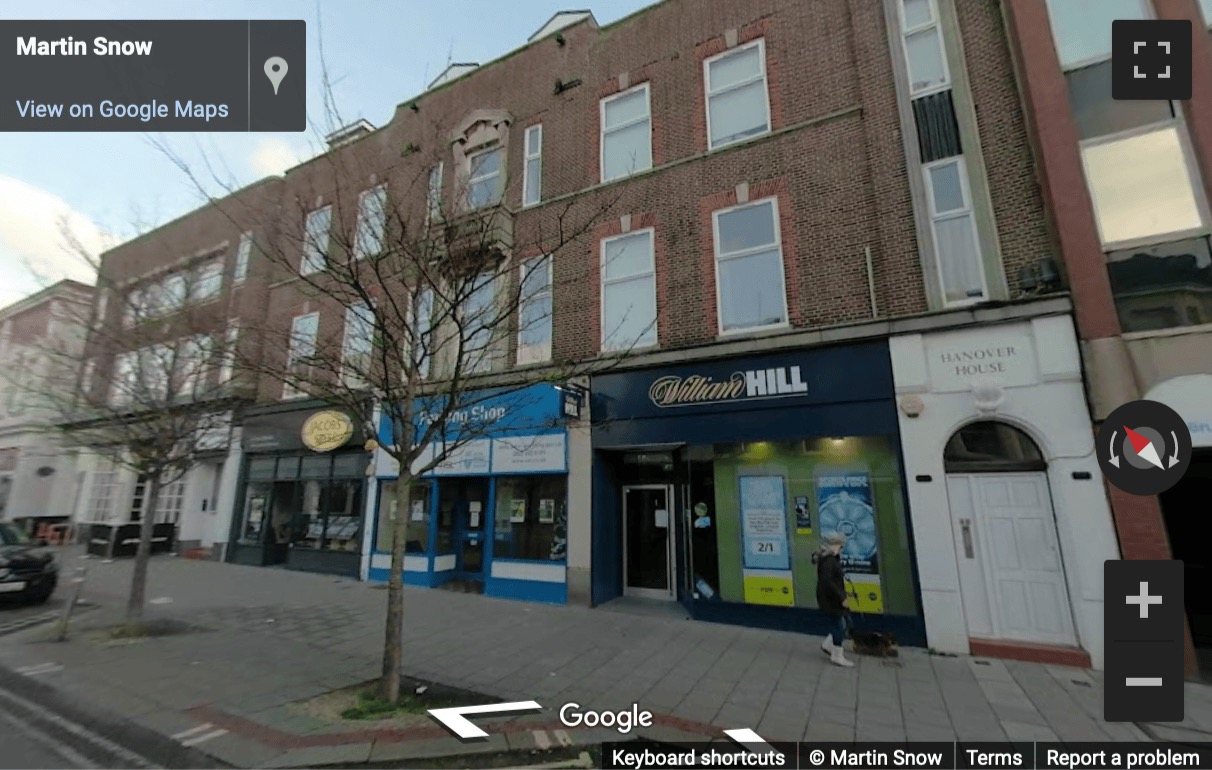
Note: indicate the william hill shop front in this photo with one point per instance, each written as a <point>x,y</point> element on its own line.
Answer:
<point>714,483</point>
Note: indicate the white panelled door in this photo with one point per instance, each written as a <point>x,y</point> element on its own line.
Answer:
<point>1011,575</point>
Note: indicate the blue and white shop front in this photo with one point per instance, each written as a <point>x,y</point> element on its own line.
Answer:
<point>492,514</point>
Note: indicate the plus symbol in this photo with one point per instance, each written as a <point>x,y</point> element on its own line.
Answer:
<point>1144,600</point>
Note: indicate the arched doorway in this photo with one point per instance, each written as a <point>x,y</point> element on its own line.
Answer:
<point>1011,573</point>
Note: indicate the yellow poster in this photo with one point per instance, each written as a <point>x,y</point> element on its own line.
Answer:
<point>770,589</point>
<point>866,593</point>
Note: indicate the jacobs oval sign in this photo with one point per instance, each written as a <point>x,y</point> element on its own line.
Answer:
<point>326,431</point>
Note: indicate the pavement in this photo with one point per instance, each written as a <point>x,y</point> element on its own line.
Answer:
<point>260,639</point>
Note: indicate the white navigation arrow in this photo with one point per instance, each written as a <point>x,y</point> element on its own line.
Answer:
<point>1174,457</point>
<point>750,740</point>
<point>1114,457</point>
<point>455,719</point>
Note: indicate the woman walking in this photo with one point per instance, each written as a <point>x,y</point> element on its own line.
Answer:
<point>831,595</point>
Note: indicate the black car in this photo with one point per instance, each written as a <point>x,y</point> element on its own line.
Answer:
<point>28,570</point>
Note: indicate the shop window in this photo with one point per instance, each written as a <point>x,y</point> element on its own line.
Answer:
<point>349,464</point>
<point>991,446</point>
<point>531,521</point>
<point>315,467</point>
<point>416,537</point>
<point>1164,286</point>
<point>256,509</point>
<point>343,523</point>
<point>758,511</point>
<point>288,468</point>
<point>261,468</point>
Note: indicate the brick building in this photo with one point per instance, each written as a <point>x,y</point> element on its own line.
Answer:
<point>815,228</point>
<point>40,337</point>
<point>1128,185</point>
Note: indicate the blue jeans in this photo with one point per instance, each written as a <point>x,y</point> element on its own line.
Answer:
<point>840,624</point>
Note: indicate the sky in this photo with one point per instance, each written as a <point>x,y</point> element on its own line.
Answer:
<point>107,187</point>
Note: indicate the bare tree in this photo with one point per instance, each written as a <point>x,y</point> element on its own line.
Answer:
<point>148,394</point>
<point>438,295</point>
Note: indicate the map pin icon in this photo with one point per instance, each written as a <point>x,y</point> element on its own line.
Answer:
<point>275,70</point>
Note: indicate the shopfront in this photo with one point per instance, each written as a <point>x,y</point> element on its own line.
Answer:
<point>492,515</point>
<point>715,481</point>
<point>1008,505</point>
<point>301,502</point>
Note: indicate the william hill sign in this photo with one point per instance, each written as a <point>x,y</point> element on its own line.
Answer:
<point>750,384</point>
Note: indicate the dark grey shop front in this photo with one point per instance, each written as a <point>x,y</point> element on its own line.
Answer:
<point>299,508</point>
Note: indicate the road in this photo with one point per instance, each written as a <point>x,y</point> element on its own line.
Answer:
<point>24,746</point>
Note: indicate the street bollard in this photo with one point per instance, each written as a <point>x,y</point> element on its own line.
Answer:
<point>78,587</point>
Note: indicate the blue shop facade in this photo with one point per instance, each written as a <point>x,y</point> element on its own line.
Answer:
<point>493,514</point>
<point>715,481</point>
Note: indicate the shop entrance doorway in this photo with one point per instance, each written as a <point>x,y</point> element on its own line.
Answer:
<point>648,553</point>
<point>1181,506</point>
<point>1012,579</point>
<point>465,501</point>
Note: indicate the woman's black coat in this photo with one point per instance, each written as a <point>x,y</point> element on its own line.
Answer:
<point>830,585</point>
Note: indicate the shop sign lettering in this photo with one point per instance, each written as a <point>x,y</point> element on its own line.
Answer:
<point>326,431</point>
<point>979,361</point>
<point>698,389</point>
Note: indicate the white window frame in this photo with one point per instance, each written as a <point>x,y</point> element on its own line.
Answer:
<point>207,272</point>
<point>603,131</point>
<point>122,379</point>
<point>101,494</point>
<point>603,283</point>
<point>1145,5</point>
<point>193,365</point>
<point>719,257</point>
<point>472,179</point>
<point>292,352</point>
<point>173,294</point>
<point>86,378</point>
<point>485,362</point>
<point>1193,168</point>
<point>315,252</point>
<point>526,353</point>
<point>936,217</point>
<point>433,192</point>
<point>363,224</point>
<point>352,379</point>
<point>231,338</point>
<point>135,309</point>
<point>243,255</point>
<point>420,331</point>
<point>532,183</point>
<point>760,44</point>
<point>907,32</point>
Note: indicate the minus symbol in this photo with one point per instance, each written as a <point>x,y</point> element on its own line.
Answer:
<point>1143,681</point>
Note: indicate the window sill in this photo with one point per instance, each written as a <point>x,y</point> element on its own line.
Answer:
<point>1176,331</point>
<point>756,331</point>
<point>1156,240</point>
<point>739,142</point>
<point>629,351</point>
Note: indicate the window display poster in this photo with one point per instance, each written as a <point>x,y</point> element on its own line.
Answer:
<point>764,523</point>
<point>517,511</point>
<point>547,511</point>
<point>803,516</point>
<point>774,587</point>
<point>418,510</point>
<point>846,505</point>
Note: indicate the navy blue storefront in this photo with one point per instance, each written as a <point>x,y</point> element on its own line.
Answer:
<point>714,482</point>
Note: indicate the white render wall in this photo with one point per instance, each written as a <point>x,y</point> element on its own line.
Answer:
<point>1038,388</point>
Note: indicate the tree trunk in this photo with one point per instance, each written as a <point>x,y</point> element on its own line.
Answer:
<point>393,646</point>
<point>138,579</point>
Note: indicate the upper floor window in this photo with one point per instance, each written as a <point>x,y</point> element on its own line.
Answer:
<point>1206,7</point>
<point>372,222</point>
<point>359,344</point>
<point>478,321</point>
<point>1082,28</point>
<point>122,381</point>
<point>953,226</point>
<point>484,178</point>
<point>626,133</point>
<point>532,170</point>
<point>534,311</point>
<point>629,309</point>
<point>925,55</point>
<point>419,343</point>
<point>193,365</point>
<point>433,201</point>
<point>231,339</point>
<point>303,332</point>
<point>316,234</point>
<point>738,106</point>
<point>102,307</point>
<point>134,310</point>
<point>243,253</point>
<point>751,290</point>
<point>208,281</point>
